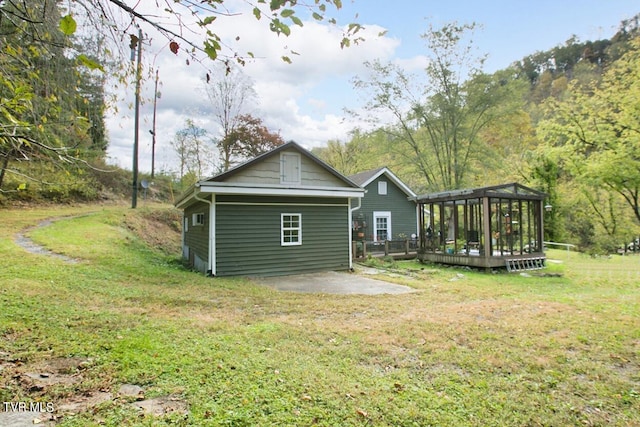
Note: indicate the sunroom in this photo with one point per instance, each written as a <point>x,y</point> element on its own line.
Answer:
<point>490,227</point>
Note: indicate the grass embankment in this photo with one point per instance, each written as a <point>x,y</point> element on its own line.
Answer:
<point>469,348</point>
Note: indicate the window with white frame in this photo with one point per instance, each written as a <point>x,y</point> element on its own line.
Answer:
<point>382,188</point>
<point>382,226</point>
<point>198,218</point>
<point>290,168</point>
<point>291,229</point>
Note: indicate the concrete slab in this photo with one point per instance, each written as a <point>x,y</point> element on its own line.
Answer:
<point>332,282</point>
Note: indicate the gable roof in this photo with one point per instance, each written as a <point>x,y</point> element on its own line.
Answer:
<point>289,145</point>
<point>217,184</point>
<point>367,177</point>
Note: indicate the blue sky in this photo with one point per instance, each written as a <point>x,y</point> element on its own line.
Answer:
<point>304,101</point>
<point>509,30</point>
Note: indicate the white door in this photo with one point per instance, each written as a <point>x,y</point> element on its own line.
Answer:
<point>381,226</point>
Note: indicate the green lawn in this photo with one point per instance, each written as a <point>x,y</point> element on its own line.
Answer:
<point>468,349</point>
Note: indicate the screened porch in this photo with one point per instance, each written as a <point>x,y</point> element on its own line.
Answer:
<point>489,227</point>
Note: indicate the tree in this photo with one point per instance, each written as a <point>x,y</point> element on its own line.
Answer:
<point>250,138</point>
<point>595,130</point>
<point>39,115</point>
<point>33,33</point>
<point>439,118</point>
<point>231,96</point>
<point>193,153</point>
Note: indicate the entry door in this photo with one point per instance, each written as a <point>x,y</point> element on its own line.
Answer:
<point>381,226</point>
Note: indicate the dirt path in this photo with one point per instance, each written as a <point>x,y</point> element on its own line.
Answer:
<point>30,246</point>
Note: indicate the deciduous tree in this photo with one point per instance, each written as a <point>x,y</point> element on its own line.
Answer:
<point>250,138</point>
<point>194,155</point>
<point>439,116</point>
<point>231,95</point>
<point>595,131</point>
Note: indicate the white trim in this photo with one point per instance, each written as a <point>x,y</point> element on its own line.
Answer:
<point>220,188</point>
<point>197,219</point>
<point>212,236</point>
<point>393,178</point>
<point>381,214</point>
<point>282,204</point>
<point>350,228</point>
<point>298,242</point>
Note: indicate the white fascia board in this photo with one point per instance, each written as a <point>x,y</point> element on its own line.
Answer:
<point>394,179</point>
<point>221,188</point>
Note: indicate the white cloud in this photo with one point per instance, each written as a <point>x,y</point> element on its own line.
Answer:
<point>302,100</point>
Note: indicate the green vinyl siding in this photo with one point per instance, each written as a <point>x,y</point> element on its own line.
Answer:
<point>269,172</point>
<point>403,211</point>
<point>196,238</point>
<point>248,239</point>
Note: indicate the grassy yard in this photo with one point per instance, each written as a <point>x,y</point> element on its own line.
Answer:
<point>467,349</point>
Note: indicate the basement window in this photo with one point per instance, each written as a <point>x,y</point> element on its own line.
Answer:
<point>291,229</point>
<point>198,219</point>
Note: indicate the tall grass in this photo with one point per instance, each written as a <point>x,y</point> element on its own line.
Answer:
<point>467,349</point>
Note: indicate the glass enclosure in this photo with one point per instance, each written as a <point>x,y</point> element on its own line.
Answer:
<point>486,222</point>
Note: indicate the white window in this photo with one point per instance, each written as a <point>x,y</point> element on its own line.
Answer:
<point>290,168</point>
<point>382,226</point>
<point>198,219</point>
<point>382,188</point>
<point>291,229</point>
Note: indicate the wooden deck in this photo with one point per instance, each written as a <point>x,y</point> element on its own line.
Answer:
<point>477,261</point>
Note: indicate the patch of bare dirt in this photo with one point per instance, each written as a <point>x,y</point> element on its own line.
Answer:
<point>158,228</point>
<point>160,406</point>
<point>36,380</point>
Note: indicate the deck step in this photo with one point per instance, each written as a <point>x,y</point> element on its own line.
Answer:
<point>522,264</point>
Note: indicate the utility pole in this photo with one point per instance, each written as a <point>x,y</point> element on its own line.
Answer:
<point>153,131</point>
<point>134,197</point>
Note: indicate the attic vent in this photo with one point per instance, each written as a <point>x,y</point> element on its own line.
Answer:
<point>382,188</point>
<point>290,168</point>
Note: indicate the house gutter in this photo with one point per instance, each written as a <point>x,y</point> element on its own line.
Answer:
<point>212,224</point>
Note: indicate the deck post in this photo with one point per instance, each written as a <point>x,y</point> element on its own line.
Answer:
<point>486,219</point>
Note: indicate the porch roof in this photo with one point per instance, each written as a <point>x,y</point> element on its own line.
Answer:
<point>512,191</point>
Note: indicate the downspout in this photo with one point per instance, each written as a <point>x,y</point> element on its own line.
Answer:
<point>351,211</point>
<point>212,224</point>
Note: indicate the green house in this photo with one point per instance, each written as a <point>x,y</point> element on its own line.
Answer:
<point>387,211</point>
<point>283,212</point>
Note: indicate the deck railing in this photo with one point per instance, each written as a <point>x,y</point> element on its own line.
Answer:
<point>364,248</point>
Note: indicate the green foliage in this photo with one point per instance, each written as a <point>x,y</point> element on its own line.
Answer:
<point>278,15</point>
<point>467,349</point>
<point>47,109</point>
<point>592,133</point>
<point>440,117</point>
<point>68,25</point>
<point>562,121</point>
